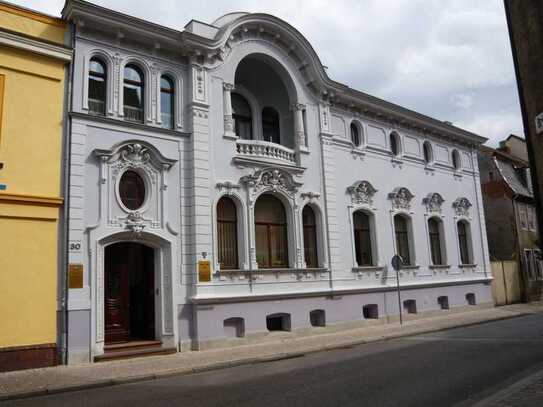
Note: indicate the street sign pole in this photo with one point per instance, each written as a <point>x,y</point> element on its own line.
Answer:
<point>397,262</point>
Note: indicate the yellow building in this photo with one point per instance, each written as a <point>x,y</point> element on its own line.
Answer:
<point>33,72</point>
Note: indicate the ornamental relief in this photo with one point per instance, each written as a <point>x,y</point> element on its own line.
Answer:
<point>151,168</point>
<point>362,193</point>
<point>401,198</point>
<point>433,202</point>
<point>461,206</point>
<point>270,179</point>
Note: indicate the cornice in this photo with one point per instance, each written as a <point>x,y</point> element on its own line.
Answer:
<point>25,199</point>
<point>37,46</point>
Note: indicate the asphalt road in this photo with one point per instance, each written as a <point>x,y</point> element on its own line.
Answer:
<point>450,368</point>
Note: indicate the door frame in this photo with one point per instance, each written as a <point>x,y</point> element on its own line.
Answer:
<point>163,275</point>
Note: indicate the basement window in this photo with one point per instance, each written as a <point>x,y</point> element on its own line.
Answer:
<point>410,306</point>
<point>317,317</point>
<point>278,322</point>
<point>470,299</point>
<point>443,302</point>
<point>234,327</point>
<point>370,311</point>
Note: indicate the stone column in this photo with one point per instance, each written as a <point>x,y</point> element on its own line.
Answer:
<point>299,130</point>
<point>228,119</point>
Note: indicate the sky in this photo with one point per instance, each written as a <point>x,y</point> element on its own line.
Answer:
<point>450,60</point>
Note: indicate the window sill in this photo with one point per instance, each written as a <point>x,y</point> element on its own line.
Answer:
<point>439,266</point>
<point>362,269</point>
<point>275,270</point>
<point>416,267</point>
<point>467,265</point>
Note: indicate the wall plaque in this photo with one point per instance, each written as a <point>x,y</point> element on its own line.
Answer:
<point>204,271</point>
<point>75,276</point>
<point>539,123</point>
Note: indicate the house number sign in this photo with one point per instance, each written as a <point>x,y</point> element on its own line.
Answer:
<point>75,245</point>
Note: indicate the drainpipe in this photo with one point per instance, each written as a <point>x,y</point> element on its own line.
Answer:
<point>66,209</point>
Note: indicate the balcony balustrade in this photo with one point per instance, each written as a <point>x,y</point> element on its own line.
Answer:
<point>260,149</point>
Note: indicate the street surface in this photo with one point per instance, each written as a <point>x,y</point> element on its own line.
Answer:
<point>458,367</point>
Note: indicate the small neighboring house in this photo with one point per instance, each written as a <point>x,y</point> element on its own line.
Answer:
<point>34,63</point>
<point>510,218</point>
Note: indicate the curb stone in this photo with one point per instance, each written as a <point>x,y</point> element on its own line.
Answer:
<point>245,361</point>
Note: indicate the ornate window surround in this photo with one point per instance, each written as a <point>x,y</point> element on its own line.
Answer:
<point>231,190</point>
<point>313,201</point>
<point>401,199</point>
<point>282,185</point>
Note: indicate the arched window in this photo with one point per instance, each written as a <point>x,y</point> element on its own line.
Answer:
<point>464,242</point>
<point>428,153</point>
<point>270,125</point>
<point>167,97</point>
<point>395,143</point>
<point>362,239</point>
<point>435,241</point>
<point>401,229</point>
<point>132,190</point>
<point>456,160</point>
<point>97,86</point>
<point>355,134</point>
<point>310,237</point>
<point>243,118</point>
<point>271,233</point>
<point>227,233</point>
<point>133,93</point>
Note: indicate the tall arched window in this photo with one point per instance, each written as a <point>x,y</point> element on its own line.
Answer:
<point>270,125</point>
<point>456,160</point>
<point>310,237</point>
<point>243,117</point>
<point>271,233</point>
<point>355,134</point>
<point>167,97</point>
<point>464,242</point>
<point>97,86</point>
<point>133,95</point>
<point>428,153</point>
<point>401,229</point>
<point>435,241</point>
<point>227,233</point>
<point>362,239</point>
<point>395,143</point>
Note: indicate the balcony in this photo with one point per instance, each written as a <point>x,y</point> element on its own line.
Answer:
<point>265,151</point>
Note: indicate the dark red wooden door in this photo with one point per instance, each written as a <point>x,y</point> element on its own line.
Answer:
<point>129,293</point>
<point>117,301</point>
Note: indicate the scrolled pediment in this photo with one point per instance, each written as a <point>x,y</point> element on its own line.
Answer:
<point>362,192</point>
<point>401,198</point>
<point>433,202</point>
<point>271,179</point>
<point>461,206</point>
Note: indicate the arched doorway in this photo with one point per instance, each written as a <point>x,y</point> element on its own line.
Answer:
<point>129,302</point>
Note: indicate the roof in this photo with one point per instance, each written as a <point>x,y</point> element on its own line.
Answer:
<point>512,177</point>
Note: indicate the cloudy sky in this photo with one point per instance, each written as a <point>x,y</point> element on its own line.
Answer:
<point>448,59</point>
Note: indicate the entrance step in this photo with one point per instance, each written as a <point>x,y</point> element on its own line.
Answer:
<point>133,349</point>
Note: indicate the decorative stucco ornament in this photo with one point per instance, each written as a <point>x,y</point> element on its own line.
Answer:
<point>433,202</point>
<point>362,192</point>
<point>135,222</point>
<point>270,179</point>
<point>135,153</point>
<point>401,198</point>
<point>461,206</point>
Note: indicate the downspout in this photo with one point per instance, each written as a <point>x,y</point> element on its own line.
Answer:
<point>476,187</point>
<point>66,209</point>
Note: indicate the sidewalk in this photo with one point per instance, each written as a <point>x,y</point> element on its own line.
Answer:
<point>525,393</point>
<point>28,383</point>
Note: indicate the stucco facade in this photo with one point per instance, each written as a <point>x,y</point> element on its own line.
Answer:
<point>187,168</point>
<point>33,68</point>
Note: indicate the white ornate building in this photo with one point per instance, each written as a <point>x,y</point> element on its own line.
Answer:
<point>229,144</point>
